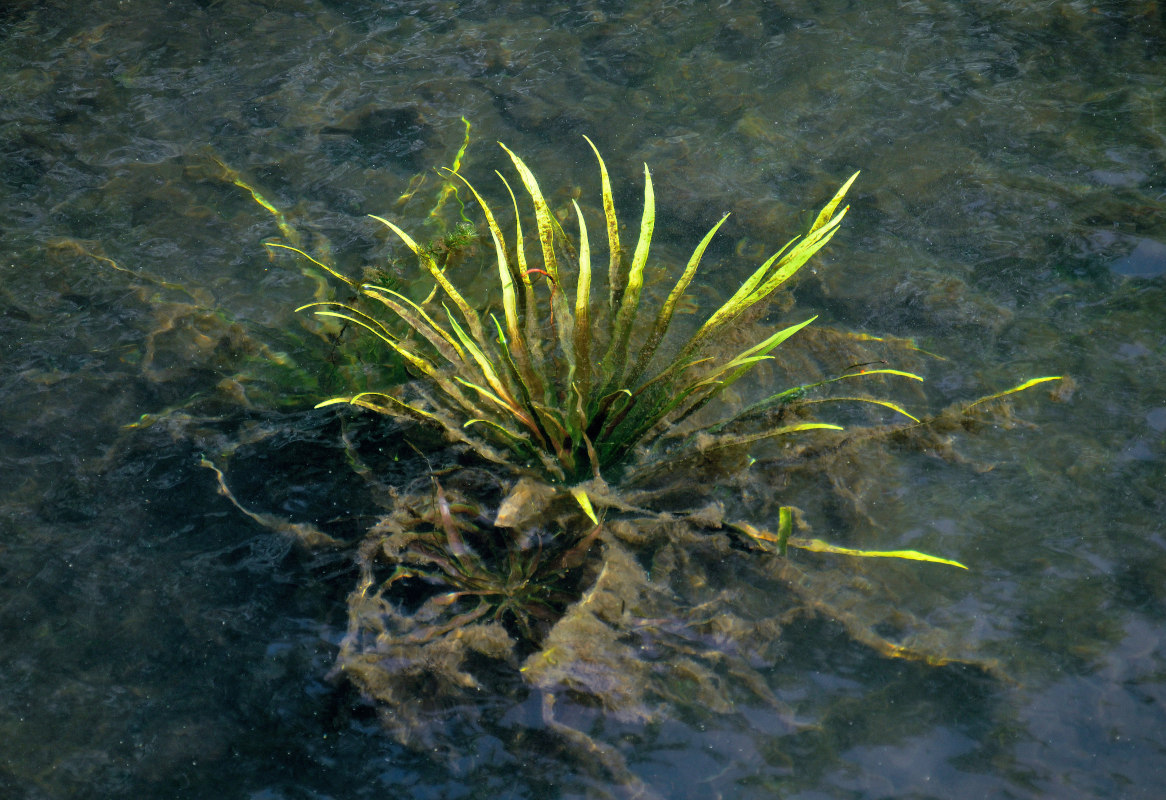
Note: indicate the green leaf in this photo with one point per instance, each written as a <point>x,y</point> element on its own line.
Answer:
<point>379,331</point>
<point>476,354</point>
<point>505,271</point>
<point>736,304</point>
<point>615,361</point>
<point>515,441</point>
<point>320,264</point>
<point>1026,385</point>
<point>546,236</point>
<point>782,540</point>
<point>884,403</point>
<point>664,318</point>
<point>776,270</point>
<point>364,320</point>
<point>542,213</point>
<point>417,319</point>
<point>741,364</point>
<point>785,527</point>
<point>470,316</point>
<point>395,407</point>
<point>818,546</point>
<point>527,348</point>
<point>791,395</point>
<point>616,279</point>
<point>583,332</point>
<point>828,211</point>
<point>739,441</point>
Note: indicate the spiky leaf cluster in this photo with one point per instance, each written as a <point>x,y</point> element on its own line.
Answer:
<point>555,381</point>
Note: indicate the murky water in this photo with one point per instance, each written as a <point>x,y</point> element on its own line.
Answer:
<point>1010,217</point>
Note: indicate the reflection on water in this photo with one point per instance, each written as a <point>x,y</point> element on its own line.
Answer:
<point>1009,217</point>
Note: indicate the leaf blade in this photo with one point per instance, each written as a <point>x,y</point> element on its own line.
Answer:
<point>819,546</point>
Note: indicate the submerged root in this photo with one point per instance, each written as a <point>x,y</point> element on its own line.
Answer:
<point>304,533</point>
<point>606,756</point>
<point>872,621</point>
<point>670,618</point>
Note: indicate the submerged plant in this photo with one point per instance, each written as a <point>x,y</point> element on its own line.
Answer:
<point>457,561</point>
<point>570,389</point>
<point>597,414</point>
<point>556,383</point>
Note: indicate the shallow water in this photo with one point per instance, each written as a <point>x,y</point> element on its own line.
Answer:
<point>1009,217</point>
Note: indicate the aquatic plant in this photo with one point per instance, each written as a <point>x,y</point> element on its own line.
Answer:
<point>557,385</point>
<point>569,547</point>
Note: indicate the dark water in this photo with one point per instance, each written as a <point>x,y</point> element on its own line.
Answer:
<point>1010,217</point>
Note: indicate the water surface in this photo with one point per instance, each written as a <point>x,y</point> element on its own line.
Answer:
<point>1010,217</point>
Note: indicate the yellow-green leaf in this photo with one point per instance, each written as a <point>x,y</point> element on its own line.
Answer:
<point>583,332</point>
<point>585,503</point>
<point>616,280</point>
<point>427,261</point>
<point>1026,385</point>
<point>319,264</point>
<point>872,400</point>
<point>615,361</point>
<point>664,318</point>
<point>828,211</point>
<point>785,527</point>
<point>818,546</point>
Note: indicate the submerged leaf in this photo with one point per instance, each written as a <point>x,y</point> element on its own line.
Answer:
<point>471,317</point>
<point>785,527</point>
<point>664,318</point>
<point>583,333</point>
<point>320,264</point>
<point>616,280</point>
<point>1026,385</point>
<point>585,503</point>
<point>871,400</point>
<point>782,540</point>
<point>615,361</point>
<point>304,533</point>
<point>818,546</point>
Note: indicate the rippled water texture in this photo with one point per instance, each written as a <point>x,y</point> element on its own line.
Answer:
<point>1011,217</point>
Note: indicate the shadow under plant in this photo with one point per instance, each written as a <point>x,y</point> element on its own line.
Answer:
<point>580,550</point>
